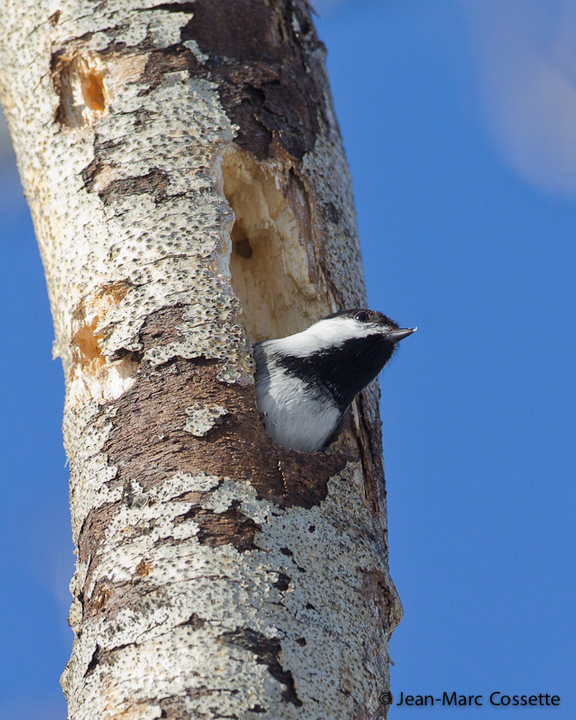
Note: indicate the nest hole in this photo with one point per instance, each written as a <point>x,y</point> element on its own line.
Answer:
<point>273,267</point>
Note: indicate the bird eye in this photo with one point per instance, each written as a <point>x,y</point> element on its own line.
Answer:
<point>362,317</point>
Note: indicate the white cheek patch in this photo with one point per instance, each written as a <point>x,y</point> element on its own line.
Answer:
<point>323,335</point>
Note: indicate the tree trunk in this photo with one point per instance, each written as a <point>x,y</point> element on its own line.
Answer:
<point>189,191</point>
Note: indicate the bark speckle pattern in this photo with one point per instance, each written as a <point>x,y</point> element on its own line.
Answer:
<point>190,196</point>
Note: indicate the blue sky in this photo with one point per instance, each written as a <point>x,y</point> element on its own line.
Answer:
<point>459,122</point>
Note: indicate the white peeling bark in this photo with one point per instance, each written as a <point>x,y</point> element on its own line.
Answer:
<point>190,194</point>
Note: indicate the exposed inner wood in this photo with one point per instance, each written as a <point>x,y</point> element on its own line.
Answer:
<point>81,83</point>
<point>273,265</point>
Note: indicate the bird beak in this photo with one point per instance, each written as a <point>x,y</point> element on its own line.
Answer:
<point>400,334</point>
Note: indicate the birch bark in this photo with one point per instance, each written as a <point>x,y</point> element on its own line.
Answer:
<point>190,194</point>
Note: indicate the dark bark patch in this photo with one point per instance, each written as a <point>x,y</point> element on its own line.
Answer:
<point>94,661</point>
<point>176,7</point>
<point>193,496</point>
<point>90,173</point>
<point>330,213</point>
<point>102,657</point>
<point>137,594</point>
<point>175,708</point>
<point>228,527</point>
<point>244,30</point>
<point>370,449</point>
<point>283,582</point>
<point>105,593</point>
<point>153,183</point>
<point>93,530</point>
<point>385,605</point>
<point>160,62</point>
<point>267,652</point>
<point>194,621</point>
<point>160,328</point>
<point>263,57</point>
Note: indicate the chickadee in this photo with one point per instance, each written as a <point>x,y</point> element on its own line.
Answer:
<point>306,382</point>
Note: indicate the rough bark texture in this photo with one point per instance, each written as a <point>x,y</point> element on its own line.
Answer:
<point>189,191</point>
